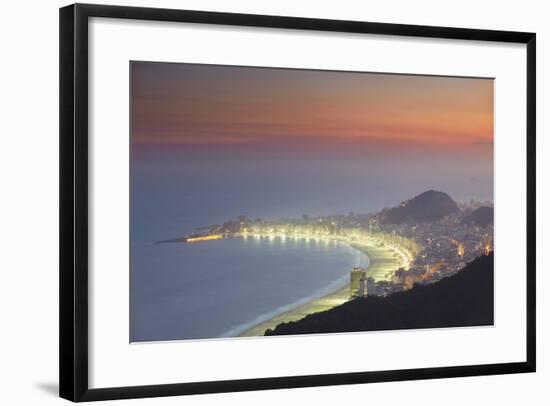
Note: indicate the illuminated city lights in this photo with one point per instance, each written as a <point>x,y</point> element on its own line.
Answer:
<point>204,237</point>
<point>421,253</point>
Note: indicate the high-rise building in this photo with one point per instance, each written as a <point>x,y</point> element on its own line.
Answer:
<point>355,277</point>
<point>371,287</point>
<point>362,292</point>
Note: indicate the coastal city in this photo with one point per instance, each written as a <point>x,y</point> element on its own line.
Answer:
<point>271,201</point>
<point>415,250</point>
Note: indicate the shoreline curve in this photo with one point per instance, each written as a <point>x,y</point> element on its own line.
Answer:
<point>382,261</point>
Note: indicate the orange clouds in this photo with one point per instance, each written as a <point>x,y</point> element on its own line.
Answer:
<point>205,104</point>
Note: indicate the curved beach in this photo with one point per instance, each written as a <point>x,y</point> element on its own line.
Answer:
<point>383,261</point>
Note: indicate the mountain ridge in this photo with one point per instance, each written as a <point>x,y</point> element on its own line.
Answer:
<point>461,300</point>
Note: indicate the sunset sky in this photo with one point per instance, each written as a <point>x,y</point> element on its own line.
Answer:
<point>219,105</point>
<point>212,142</point>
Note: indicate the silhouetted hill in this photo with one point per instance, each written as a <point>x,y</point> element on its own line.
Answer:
<point>428,206</point>
<point>464,299</point>
<point>481,216</point>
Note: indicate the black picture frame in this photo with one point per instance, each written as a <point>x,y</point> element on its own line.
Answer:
<point>73,253</point>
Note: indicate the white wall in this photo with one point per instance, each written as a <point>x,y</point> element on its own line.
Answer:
<point>29,177</point>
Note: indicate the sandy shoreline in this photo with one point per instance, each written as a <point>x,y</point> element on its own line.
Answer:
<point>382,262</point>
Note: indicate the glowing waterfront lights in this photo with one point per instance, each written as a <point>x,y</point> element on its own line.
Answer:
<point>398,254</point>
<point>207,237</point>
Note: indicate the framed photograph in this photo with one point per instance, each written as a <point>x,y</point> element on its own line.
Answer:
<point>257,202</point>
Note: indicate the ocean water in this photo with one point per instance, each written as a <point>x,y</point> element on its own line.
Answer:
<point>217,288</point>
<point>220,288</point>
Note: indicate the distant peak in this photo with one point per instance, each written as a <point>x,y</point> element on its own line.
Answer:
<point>430,205</point>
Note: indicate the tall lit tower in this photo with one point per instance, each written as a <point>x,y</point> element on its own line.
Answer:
<point>356,274</point>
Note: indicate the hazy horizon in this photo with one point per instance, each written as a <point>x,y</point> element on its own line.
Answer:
<point>211,142</point>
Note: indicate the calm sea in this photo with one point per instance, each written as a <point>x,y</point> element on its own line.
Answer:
<point>219,288</point>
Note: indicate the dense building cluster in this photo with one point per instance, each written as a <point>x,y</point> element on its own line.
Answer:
<point>448,245</point>
<point>429,251</point>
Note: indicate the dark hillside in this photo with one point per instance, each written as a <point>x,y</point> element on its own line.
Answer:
<point>481,216</point>
<point>464,299</point>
